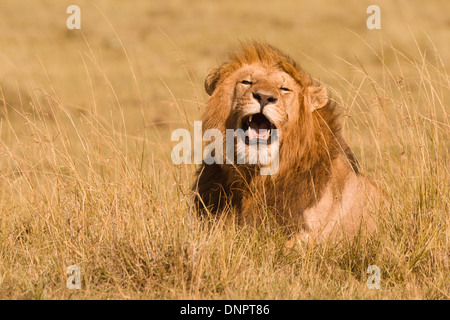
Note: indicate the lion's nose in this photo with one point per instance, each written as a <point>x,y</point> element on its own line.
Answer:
<point>264,99</point>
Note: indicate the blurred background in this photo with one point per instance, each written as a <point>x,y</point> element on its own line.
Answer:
<point>151,57</point>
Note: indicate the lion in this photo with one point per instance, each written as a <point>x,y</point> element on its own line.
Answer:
<point>317,190</point>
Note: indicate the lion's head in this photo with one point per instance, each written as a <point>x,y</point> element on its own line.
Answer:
<point>265,94</point>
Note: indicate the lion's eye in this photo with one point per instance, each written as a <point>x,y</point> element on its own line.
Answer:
<point>246,82</point>
<point>285,89</point>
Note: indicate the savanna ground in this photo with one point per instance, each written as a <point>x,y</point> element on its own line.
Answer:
<point>86,176</point>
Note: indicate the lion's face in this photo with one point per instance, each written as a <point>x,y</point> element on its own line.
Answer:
<point>265,100</point>
<point>262,100</point>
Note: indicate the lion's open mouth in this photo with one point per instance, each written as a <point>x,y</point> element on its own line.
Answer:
<point>257,128</point>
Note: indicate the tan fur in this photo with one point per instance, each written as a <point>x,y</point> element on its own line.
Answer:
<point>318,190</point>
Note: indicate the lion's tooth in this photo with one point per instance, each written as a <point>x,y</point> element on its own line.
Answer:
<point>250,118</point>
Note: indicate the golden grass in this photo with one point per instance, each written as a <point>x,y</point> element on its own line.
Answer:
<point>86,177</point>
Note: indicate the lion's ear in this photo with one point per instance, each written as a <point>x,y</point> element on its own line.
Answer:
<point>211,80</point>
<point>315,97</point>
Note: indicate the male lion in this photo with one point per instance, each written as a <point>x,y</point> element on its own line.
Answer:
<point>317,188</point>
